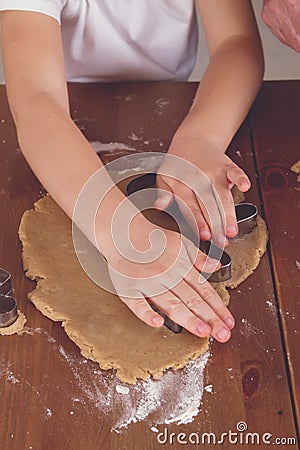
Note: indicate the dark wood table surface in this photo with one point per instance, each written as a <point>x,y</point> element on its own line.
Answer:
<point>255,376</point>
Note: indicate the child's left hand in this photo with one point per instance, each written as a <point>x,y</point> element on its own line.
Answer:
<point>222,173</point>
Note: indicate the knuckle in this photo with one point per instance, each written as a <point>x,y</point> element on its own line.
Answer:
<point>207,291</point>
<point>138,306</point>
<point>201,258</point>
<point>227,200</point>
<point>172,305</point>
<point>193,302</point>
<point>230,218</point>
<point>199,217</point>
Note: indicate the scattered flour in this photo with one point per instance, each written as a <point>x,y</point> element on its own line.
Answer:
<point>136,160</point>
<point>9,376</point>
<point>134,137</point>
<point>122,389</point>
<point>174,398</point>
<point>271,306</point>
<point>238,153</point>
<point>208,388</point>
<point>161,105</point>
<point>110,146</point>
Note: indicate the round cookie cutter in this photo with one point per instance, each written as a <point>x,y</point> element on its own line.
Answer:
<point>8,310</point>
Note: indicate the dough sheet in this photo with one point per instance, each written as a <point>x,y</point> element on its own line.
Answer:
<point>104,329</point>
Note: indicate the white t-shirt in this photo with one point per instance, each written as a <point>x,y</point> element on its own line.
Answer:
<point>113,40</point>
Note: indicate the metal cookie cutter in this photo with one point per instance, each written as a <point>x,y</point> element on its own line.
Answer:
<point>222,274</point>
<point>5,282</point>
<point>8,305</point>
<point>246,214</point>
<point>169,323</point>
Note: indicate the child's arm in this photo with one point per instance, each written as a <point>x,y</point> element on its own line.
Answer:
<point>63,160</point>
<point>223,99</point>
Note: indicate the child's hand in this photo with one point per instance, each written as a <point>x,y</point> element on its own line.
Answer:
<point>165,271</point>
<point>220,171</point>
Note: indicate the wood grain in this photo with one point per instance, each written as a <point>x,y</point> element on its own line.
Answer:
<point>276,138</point>
<point>48,391</point>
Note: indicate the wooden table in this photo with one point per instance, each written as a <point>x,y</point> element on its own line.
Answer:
<point>48,402</point>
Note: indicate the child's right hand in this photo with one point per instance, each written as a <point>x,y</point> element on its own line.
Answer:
<point>200,177</point>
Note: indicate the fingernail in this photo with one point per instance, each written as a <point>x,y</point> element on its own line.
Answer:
<point>205,234</point>
<point>222,334</point>
<point>203,328</point>
<point>244,184</point>
<point>157,320</point>
<point>231,229</point>
<point>229,322</point>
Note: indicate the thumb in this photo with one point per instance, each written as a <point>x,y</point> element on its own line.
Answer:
<point>165,195</point>
<point>237,176</point>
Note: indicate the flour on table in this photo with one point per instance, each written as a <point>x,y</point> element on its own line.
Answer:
<point>110,146</point>
<point>174,398</point>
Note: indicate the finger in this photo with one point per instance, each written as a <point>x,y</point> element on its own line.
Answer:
<point>196,301</point>
<point>192,212</point>
<point>199,259</point>
<point>224,193</point>
<point>237,176</point>
<point>165,195</point>
<point>211,297</point>
<point>172,307</point>
<point>141,308</point>
<point>218,234</point>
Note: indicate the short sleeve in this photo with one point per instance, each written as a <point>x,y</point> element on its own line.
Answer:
<point>51,8</point>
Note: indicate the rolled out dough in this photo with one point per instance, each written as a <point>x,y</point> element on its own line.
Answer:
<point>104,329</point>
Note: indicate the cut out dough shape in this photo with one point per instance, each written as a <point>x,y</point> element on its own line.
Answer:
<point>104,329</point>
<point>16,327</point>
